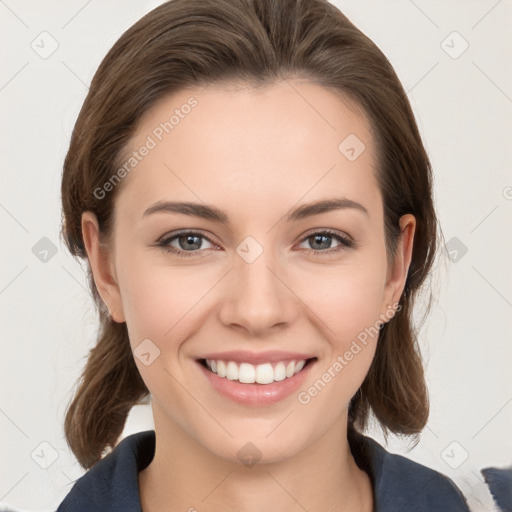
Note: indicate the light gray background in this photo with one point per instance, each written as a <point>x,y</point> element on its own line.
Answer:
<point>463,105</point>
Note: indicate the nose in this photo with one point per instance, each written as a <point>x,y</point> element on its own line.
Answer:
<point>257,297</point>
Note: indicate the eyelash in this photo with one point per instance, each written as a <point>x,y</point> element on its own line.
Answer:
<point>345,243</point>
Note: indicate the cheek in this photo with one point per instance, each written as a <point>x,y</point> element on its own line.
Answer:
<point>359,304</point>
<point>348,305</point>
<point>163,303</point>
<point>348,302</point>
<point>347,298</point>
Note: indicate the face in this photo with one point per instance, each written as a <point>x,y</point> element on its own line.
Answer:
<point>247,274</point>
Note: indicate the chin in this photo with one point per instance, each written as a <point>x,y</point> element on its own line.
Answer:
<point>249,450</point>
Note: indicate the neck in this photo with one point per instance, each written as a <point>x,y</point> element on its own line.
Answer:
<point>183,475</point>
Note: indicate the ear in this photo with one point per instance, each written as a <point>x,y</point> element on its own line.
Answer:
<point>397,270</point>
<point>101,262</point>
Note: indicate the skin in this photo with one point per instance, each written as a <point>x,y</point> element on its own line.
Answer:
<point>255,155</point>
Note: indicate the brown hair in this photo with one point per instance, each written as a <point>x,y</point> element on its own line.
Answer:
<point>185,43</point>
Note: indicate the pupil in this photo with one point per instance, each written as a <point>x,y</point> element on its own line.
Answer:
<point>325,237</point>
<point>189,239</point>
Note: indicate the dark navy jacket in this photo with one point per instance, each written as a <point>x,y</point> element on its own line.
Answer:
<point>399,484</point>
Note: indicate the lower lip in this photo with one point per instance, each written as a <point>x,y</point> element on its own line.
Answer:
<point>256,394</point>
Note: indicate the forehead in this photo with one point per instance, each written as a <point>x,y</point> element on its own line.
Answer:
<point>278,144</point>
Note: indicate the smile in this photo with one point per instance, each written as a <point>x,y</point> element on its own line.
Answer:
<point>248,373</point>
<point>256,379</point>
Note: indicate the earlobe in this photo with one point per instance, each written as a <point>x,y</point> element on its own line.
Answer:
<point>100,261</point>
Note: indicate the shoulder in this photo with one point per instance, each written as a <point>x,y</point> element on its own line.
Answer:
<point>402,484</point>
<point>112,483</point>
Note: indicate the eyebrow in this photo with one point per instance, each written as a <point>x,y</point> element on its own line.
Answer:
<point>214,214</point>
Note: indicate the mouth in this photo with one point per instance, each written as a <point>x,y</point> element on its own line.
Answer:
<point>258,374</point>
<point>256,379</point>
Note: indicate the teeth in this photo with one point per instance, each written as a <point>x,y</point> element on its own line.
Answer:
<point>221,367</point>
<point>299,366</point>
<point>279,372</point>
<point>232,371</point>
<point>264,374</point>
<point>248,373</point>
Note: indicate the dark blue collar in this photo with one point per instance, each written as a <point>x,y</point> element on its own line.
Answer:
<point>399,484</point>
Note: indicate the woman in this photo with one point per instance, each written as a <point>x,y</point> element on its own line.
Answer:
<point>247,183</point>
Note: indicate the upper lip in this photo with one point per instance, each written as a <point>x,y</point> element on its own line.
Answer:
<point>245,356</point>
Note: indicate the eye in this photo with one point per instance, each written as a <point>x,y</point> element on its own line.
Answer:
<point>191,243</point>
<point>186,243</point>
<point>321,241</point>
